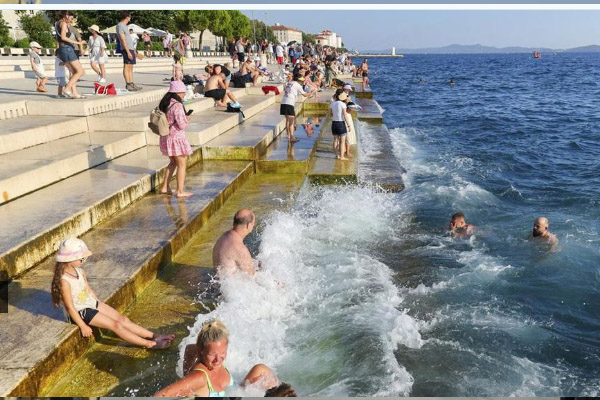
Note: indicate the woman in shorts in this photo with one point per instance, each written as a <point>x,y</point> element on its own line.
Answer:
<point>97,49</point>
<point>66,52</point>
<point>292,89</point>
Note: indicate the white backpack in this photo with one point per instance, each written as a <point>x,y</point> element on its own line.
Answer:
<point>158,122</point>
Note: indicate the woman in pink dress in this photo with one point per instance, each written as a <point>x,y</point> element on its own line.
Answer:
<point>175,145</point>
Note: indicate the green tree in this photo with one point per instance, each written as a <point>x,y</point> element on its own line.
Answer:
<point>220,24</point>
<point>5,39</point>
<point>240,24</point>
<point>309,37</point>
<point>263,31</point>
<point>37,28</point>
<point>193,20</point>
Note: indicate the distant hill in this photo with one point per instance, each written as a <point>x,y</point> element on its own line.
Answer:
<point>481,49</point>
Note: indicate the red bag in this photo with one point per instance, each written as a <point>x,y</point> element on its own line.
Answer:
<point>110,90</point>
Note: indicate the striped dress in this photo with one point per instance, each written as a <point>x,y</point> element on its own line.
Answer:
<point>175,143</point>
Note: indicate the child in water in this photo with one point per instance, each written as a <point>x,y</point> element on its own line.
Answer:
<point>70,286</point>
<point>459,228</point>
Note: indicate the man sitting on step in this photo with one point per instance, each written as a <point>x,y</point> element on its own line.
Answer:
<point>216,88</point>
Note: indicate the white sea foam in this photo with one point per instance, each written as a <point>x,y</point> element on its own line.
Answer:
<point>321,301</point>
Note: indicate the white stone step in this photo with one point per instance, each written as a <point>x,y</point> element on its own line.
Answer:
<point>136,118</point>
<point>27,170</point>
<point>27,131</point>
<point>211,123</point>
<point>33,225</point>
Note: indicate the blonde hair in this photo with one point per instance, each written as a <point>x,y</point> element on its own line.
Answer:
<point>212,331</point>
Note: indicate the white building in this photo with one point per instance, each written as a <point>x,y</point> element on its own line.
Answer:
<point>329,38</point>
<point>15,30</point>
<point>286,34</point>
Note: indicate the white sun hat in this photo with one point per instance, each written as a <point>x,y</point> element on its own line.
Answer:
<point>72,249</point>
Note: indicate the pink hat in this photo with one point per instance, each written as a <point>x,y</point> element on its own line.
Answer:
<point>177,87</point>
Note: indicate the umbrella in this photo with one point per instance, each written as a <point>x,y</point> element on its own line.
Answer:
<point>136,29</point>
<point>292,42</point>
<point>156,32</point>
<point>112,29</point>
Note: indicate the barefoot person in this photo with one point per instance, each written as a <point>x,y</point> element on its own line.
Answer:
<point>83,308</point>
<point>459,228</point>
<point>216,88</point>
<point>175,145</point>
<point>338,124</point>
<point>204,367</point>
<point>290,92</point>
<point>365,74</point>
<point>230,254</point>
<point>540,231</point>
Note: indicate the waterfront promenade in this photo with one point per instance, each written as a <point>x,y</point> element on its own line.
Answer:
<point>89,168</point>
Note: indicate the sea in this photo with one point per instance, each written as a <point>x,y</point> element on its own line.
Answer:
<point>364,293</point>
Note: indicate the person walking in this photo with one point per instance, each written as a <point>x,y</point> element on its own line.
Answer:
<point>290,92</point>
<point>128,50</point>
<point>147,43</point>
<point>38,67</point>
<point>175,145</point>
<point>66,53</point>
<point>97,53</point>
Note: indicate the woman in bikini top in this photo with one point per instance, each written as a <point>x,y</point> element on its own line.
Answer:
<point>205,361</point>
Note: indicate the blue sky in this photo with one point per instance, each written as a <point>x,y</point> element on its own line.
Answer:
<point>417,29</point>
<point>375,30</point>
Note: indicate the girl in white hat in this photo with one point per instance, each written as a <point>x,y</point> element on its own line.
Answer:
<point>70,286</point>
<point>97,47</point>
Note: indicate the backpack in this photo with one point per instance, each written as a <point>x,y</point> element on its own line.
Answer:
<point>238,81</point>
<point>235,109</point>
<point>159,124</point>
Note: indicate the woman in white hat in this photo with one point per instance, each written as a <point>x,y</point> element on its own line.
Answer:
<point>97,48</point>
<point>70,286</point>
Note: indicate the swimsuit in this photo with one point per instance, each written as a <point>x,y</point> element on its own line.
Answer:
<point>211,390</point>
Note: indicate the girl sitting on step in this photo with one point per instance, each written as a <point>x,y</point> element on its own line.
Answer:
<point>82,306</point>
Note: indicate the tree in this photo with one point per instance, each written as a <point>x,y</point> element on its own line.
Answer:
<point>263,31</point>
<point>5,39</point>
<point>309,37</point>
<point>240,24</point>
<point>193,20</point>
<point>38,28</point>
<point>220,24</point>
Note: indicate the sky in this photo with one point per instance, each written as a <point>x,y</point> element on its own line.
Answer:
<point>379,30</point>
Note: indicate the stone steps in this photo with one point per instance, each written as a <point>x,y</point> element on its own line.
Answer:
<point>20,133</point>
<point>379,165</point>
<point>249,140</point>
<point>32,240</point>
<point>30,169</point>
<point>129,250</point>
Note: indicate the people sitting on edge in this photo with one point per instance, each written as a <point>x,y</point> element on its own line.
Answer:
<point>283,390</point>
<point>84,309</point>
<point>459,227</point>
<point>230,254</point>
<point>216,89</point>
<point>204,367</point>
<point>540,231</point>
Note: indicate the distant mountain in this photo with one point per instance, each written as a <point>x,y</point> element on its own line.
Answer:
<point>481,49</point>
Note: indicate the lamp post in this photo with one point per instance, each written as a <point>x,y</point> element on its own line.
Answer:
<point>266,25</point>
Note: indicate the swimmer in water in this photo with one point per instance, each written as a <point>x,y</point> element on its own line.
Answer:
<point>459,228</point>
<point>540,231</point>
<point>452,83</point>
<point>230,254</point>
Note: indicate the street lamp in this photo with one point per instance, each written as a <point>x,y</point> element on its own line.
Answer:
<point>266,25</point>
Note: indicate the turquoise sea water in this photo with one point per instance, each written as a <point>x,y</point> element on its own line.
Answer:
<point>364,293</point>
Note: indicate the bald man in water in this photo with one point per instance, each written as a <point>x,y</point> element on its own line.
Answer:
<point>230,254</point>
<point>540,231</point>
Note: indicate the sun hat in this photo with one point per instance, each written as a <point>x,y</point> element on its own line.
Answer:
<point>347,87</point>
<point>94,28</point>
<point>72,249</point>
<point>342,96</point>
<point>177,87</point>
<point>34,45</point>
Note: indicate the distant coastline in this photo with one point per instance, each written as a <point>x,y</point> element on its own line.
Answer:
<point>480,49</point>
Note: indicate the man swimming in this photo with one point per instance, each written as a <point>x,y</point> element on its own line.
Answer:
<point>230,254</point>
<point>540,231</point>
<point>458,226</point>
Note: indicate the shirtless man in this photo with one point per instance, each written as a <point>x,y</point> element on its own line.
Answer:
<point>216,88</point>
<point>458,226</point>
<point>540,231</point>
<point>230,254</point>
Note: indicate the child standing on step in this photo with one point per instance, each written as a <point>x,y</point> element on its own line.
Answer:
<point>38,67</point>
<point>70,286</point>
<point>175,145</point>
<point>177,68</point>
